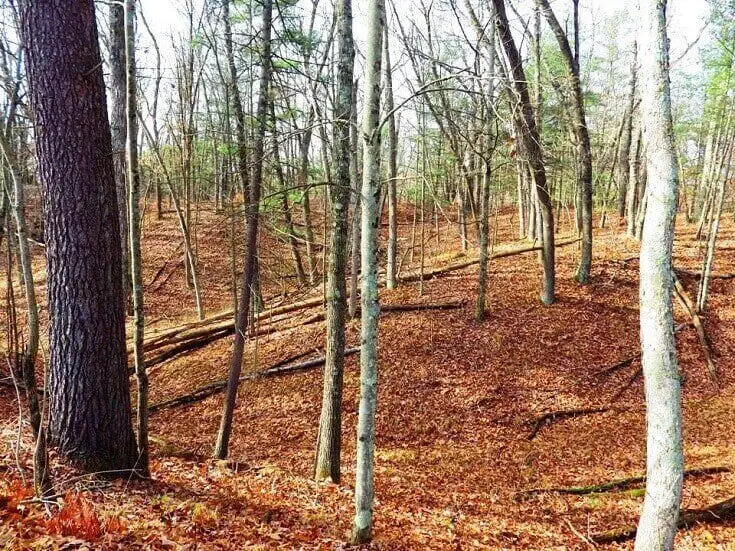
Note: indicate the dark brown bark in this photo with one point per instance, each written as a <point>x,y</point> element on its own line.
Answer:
<point>89,396</point>
<point>329,441</point>
<point>530,147</point>
<point>253,216</point>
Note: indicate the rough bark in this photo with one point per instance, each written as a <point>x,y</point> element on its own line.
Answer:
<point>664,458</point>
<point>118,89</point>
<point>89,396</point>
<point>329,441</point>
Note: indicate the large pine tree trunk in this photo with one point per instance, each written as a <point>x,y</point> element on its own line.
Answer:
<point>89,396</point>
<point>664,458</point>
<point>364,484</point>
<point>329,441</point>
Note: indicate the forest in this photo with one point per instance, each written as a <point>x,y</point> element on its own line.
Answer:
<point>385,274</point>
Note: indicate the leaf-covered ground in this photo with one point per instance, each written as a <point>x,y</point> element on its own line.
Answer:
<point>457,400</point>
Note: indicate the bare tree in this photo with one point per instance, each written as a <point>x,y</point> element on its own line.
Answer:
<point>664,458</point>
<point>582,136</point>
<point>365,484</point>
<point>253,216</point>
<point>329,442</point>
<point>134,227</point>
<point>531,151</point>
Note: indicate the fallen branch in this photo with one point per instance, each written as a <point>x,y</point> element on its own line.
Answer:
<point>688,305</point>
<point>443,270</point>
<point>620,484</point>
<point>620,365</point>
<point>698,275</point>
<point>554,416</point>
<point>715,514</point>
<point>626,386</point>
<point>218,386</point>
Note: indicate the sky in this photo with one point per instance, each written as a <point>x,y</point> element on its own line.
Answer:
<point>687,30</point>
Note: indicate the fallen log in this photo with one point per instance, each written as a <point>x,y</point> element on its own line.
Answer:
<point>620,484</point>
<point>554,416</point>
<point>198,337</point>
<point>715,514</point>
<point>211,389</point>
<point>442,270</point>
<point>687,304</point>
<point>229,315</point>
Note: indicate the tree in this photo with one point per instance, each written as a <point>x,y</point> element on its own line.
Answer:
<point>390,265</point>
<point>365,484</point>
<point>253,217</point>
<point>118,121</point>
<point>664,459</point>
<point>582,136</point>
<point>488,160</point>
<point>88,387</point>
<point>134,227</point>
<point>525,122</point>
<point>329,441</point>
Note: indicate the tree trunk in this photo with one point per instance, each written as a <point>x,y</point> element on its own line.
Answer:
<point>357,202</point>
<point>634,183</point>
<point>285,208</point>
<point>712,239</point>
<point>664,458</point>
<point>329,441</point>
<point>253,215</point>
<point>117,128</point>
<point>626,142</point>
<point>303,183</point>
<point>234,95</point>
<point>134,227</point>
<point>364,484</point>
<point>390,278</point>
<point>88,387</point>
<point>584,148</point>
<point>485,194</point>
<point>531,149</point>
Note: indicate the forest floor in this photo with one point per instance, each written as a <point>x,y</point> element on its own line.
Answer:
<point>457,399</point>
